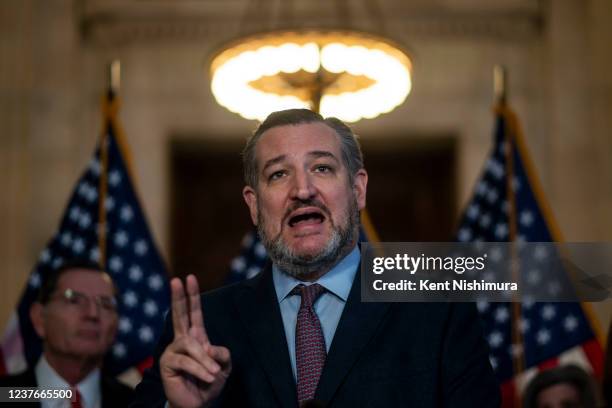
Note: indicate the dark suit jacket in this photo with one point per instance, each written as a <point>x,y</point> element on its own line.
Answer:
<point>114,393</point>
<point>382,354</point>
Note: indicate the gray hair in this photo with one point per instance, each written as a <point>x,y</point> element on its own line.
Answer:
<point>349,144</point>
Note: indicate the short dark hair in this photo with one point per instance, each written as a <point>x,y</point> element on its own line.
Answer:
<point>49,283</point>
<point>568,374</point>
<point>349,143</point>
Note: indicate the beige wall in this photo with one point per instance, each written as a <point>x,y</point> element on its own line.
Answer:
<point>52,74</point>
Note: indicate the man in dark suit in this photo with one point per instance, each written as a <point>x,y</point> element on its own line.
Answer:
<point>298,334</point>
<point>76,318</point>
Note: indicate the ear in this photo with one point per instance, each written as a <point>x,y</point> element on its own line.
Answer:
<point>360,187</point>
<point>37,318</point>
<point>250,197</point>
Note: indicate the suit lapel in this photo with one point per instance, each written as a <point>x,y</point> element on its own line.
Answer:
<point>357,324</point>
<point>260,314</point>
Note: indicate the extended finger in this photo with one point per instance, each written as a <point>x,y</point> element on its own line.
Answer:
<point>196,317</point>
<point>180,317</point>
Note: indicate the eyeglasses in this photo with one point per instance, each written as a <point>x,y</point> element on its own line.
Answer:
<point>81,301</point>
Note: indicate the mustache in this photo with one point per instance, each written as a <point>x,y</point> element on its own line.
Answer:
<point>311,202</point>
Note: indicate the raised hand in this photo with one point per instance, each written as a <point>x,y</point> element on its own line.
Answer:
<point>193,371</point>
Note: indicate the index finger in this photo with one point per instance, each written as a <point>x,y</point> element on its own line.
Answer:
<point>196,317</point>
<point>180,318</point>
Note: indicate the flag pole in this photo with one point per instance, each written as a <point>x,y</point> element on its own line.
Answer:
<point>109,108</point>
<point>500,84</point>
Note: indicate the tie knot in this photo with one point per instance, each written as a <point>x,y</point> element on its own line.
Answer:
<point>309,294</point>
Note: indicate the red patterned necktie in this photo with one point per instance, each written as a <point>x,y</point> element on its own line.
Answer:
<point>310,350</point>
<point>77,400</point>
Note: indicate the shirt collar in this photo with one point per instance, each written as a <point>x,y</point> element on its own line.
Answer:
<point>89,387</point>
<point>337,281</point>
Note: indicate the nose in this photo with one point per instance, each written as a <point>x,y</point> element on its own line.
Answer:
<point>303,188</point>
<point>93,309</point>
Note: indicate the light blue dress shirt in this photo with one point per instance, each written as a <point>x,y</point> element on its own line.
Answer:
<point>328,307</point>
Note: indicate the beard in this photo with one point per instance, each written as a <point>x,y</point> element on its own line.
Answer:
<point>304,265</point>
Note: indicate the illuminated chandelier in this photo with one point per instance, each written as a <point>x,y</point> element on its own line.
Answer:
<point>343,73</point>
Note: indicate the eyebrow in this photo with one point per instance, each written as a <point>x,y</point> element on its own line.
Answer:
<point>315,153</point>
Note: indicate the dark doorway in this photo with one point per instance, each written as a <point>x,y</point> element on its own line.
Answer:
<point>411,197</point>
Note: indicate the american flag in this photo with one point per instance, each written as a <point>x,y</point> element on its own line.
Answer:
<point>130,256</point>
<point>552,333</point>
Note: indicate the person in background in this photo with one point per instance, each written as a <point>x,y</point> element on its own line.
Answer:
<point>561,387</point>
<point>76,318</point>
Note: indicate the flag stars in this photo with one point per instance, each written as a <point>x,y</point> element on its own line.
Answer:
<point>493,362</point>
<point>533,277</point>
<point>501,314</point>
<point>119,350</point>
<point>526,218</point>
<point>548,312</point>
<point>141,247</point>
<point>84,220</point>
<point>501,230</point>
<point>150,308</point>
<point>496,254</point>
<point>495,339</point>
<point>238,264</point>
<point>145,334</point>
<point>495,168</point>
<point>260,250</point>
<point>114,178</point>
<point>543,337</point>
<point>57,262</point>
<point>482,188</point>
<point>91,194</point>
<point>115,264</point>
<point>482,306</point>
<point>570,323</point>
<point>66,239</point>
<point>492,196</point>
<point>74,214</point>
<point>126,213</point>
<point>473,211</point>
<point>540,253</point>
<point>485,220</point>
<point>78,246</point>
<point>125,325</point>
<point>121,239</point>
<point>130,299</point>
<point>135,273</point>
<point>45,256</point>
<point>156,282</point>
<point>94,167</point>
<point>35,280</point>
<point>252,271</point>
<point>94,254</point>
<point>464,235</point>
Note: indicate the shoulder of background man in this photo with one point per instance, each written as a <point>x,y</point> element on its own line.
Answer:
<point>115,393</point>
<point>24,379</point>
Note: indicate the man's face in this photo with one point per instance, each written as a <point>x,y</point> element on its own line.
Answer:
<point>77,329</point>
<point>304,204</point>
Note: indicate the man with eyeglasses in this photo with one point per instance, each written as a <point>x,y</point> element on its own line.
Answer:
<point>76,317</point>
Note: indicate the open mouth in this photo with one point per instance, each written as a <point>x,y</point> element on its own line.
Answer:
<point>306,217</point>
